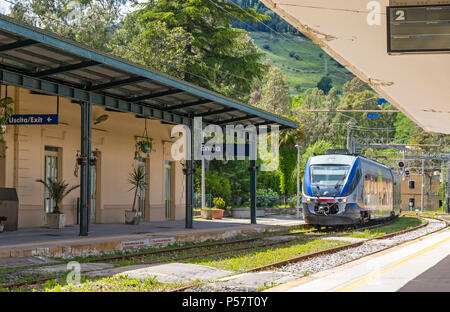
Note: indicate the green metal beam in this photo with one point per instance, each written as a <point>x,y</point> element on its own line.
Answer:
<point>53,88</point>
<point>68,46</point>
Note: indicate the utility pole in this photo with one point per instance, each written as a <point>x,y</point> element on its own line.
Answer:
<point>447,188</point>
<point>203,181</point>
<point>423,184</point>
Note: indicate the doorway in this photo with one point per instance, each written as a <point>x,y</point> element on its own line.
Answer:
<point>168,180</point>
<point>51,162</point>
<point>95,189</point>
<point>143,193</point>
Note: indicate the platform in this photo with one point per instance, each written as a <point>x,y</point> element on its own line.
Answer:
<point>419,265</point>
<point>107,238</point>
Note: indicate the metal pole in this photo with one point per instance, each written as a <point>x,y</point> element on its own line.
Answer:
<point>423,184</point>
<point>203,182</point>
<point>85,192</point>
<point>348,137</point>
<point>189,181</point>
<point>298,180</point>
<point>447,188</point>
<point>253,191</point>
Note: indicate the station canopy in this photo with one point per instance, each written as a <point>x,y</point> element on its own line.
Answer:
<point>416,83</point>
<point>46,63</point>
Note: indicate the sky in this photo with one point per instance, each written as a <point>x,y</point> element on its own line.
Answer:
<point>4,6</point>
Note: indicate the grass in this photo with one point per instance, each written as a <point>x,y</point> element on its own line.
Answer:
<point>114,284</point>
<point>309,69</point>
<point>249,259</point>
<point>402,223</point>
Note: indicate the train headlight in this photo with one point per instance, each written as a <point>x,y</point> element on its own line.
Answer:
<point>308,200</point>
<point>342,200</point>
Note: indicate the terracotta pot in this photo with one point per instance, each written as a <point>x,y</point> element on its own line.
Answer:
<point>217,213</point>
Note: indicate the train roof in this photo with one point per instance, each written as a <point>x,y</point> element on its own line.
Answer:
<point>344,158</point>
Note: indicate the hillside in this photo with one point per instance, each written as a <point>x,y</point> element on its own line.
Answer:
<point>301,60</point>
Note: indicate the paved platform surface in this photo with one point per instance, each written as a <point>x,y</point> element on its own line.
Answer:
<point>112,237</point>
<point>420,265</point>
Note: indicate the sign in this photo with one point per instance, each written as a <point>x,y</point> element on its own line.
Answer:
<point>372,116</point>
<point>382,101</point>
<point>48,119</point>
<point>229,149</point>
<point>418,28</point>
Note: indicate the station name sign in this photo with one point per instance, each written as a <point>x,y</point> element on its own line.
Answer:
<point>242,150</point>
<point>416,29</point>
<point>40,119</point>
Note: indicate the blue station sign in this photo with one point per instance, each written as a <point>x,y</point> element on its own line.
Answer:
<point>229,149</point>
<point>372,116</point>
<point>39,119</point>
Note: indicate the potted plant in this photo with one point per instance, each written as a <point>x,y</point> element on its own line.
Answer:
<point>57,190</point>
<point>137,181</point>
<point>143,146</point>
<point>2,223</point>
<point>216,212</point>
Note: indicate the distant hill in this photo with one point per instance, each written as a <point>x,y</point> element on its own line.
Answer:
<point>302,61</point>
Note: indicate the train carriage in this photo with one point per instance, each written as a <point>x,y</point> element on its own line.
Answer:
<point>341,189</point>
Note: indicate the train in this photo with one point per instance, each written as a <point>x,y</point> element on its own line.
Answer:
<point>341,189</point>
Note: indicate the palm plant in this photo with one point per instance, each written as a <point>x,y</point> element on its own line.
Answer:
<point>137,180</point>
<point>57,190</point>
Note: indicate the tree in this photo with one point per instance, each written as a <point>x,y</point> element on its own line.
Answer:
<point>275,93</point>
<point>91,22</point>
<point>325,84</point>
<point>288,158</point>
<point>229,58</point>
<point>317,126</point>
<point>6,111</point>
<point>157,47</point>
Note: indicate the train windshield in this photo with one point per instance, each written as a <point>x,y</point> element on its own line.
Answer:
<point>328,180</point>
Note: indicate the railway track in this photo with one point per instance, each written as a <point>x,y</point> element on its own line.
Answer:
<point>208,247</point>
<point>327,252</point>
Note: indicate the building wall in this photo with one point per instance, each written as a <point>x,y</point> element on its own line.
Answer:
<point>431,188</point>
<point>114,139</point>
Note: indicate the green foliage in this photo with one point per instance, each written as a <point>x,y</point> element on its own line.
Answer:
<point>325,84</point>
<point>6,111</point>
<point>217,185</point>
<point>90,22</point>
<point>266,198</point>
<point>137,179</point>
<point>229,60</point>
<point>306,68</point>
<point>219,203</point>
<point>57,190</point>
<point>274,93</point>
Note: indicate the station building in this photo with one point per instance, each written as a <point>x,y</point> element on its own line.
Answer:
<point>104,104</point>
<point>412,192</point>
<point>50,151</point>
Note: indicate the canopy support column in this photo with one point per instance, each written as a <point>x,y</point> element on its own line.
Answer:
<point>189,172</point>
<point>84,162</point>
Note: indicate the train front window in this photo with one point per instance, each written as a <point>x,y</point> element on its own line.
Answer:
<point>328,180</point>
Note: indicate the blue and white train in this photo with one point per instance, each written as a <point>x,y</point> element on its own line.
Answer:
<point>340,189</point>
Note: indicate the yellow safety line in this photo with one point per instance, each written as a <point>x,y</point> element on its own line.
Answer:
<point>361,281</point>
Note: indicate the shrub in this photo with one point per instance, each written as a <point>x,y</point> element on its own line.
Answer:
<point>266,198</point>
<point>292,201</point>
<point>219,203</point>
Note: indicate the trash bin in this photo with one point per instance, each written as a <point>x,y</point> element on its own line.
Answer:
<point>9,208</point>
